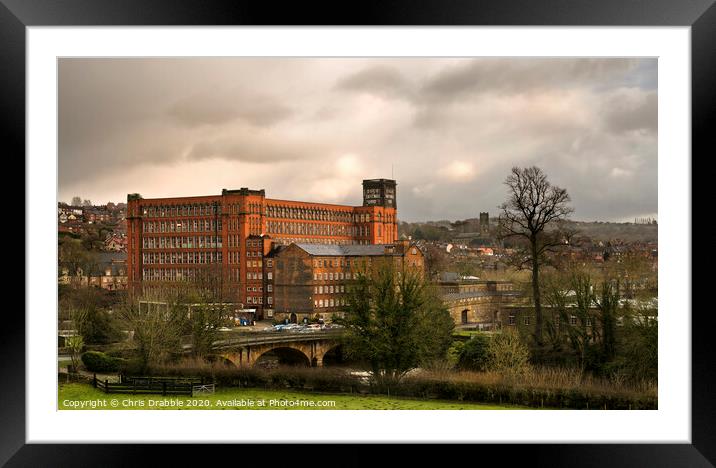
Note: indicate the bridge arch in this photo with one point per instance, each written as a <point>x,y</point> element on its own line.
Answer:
<point>302,349</point>
<point>333,355</point>
<point>283,355</point>
<point>220,359</point>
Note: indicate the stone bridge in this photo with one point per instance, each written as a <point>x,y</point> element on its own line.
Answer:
<point>246,351</point>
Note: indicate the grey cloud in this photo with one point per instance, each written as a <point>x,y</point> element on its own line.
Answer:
<point>627,113</point>
<point>524,75</point>
<point>381,80</point>
<point>589,123</point>
<point>127,147</point>
<point>264,148</point>
<point>223,107</point>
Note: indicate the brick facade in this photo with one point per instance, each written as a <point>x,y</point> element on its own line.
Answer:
<point>176,239</point>
<point>311,281</point>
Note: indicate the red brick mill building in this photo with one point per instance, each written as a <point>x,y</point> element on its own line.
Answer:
<point>176,239</point>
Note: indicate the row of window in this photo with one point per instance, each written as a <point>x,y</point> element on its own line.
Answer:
<point>526,320</point>
<point>200,209</point>
<point>315,229</point>
<point>329,289</point>
<point>269,288</point>
<point>176,242</point>
<point>255,226</point>
<point>207,209</point>
<point>170,274</point>
<point>330,276</point>
<point>334,262</point>
<point>258,300</point>
<point>311,240</point>
<point>233,224</point>
<point>180,258</point>
<point>239,208</point>
<point>323,215</point>
<point>233,240</point>
<point>182,274</point>
<point>187,225</point>
<point>253,275</point>
<point>234,257</point>
<point>308,214</point>
<point>320,303</point>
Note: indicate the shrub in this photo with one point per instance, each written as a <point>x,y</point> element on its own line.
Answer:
<point>508,354</point>
<point>475,353</point>
<point>97,327</point>
<point>96,361</point>
<point>75,344</point>
<point>640,356</point>
<point>454,353</point>
<point>483,388</point>
<point>133,366</point>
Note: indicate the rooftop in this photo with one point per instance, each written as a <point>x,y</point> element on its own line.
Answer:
<point>473,294</point>
<point>328,250</point>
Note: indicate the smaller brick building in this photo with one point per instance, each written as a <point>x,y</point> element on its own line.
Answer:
<point>108,272</point>
<point>308,281</point>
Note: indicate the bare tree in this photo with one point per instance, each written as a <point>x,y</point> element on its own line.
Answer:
<point>533,213</point>
<point>156,323</point>
<point>209,298</point>
<point>435,259</point>
<point>76,201</point>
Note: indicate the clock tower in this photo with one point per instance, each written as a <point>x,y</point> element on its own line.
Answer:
<point>379,192</point>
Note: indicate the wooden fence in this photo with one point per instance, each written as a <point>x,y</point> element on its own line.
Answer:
<point>155,385</point>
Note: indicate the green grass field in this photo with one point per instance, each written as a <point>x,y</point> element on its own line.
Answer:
<point>75,396</point>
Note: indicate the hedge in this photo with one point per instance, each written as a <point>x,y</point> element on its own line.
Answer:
<point>524,396</point>
<point>96,361</point>
<point>335,381</point>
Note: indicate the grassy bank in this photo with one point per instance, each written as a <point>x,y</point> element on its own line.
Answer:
<point>539,388</point>
<point>71,396</point>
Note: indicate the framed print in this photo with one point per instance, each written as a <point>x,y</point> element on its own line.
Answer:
<point>432,225</point>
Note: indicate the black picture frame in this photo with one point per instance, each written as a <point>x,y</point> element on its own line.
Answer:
<point>700,15</point>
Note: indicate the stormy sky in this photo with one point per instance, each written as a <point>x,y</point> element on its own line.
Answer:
<point>448,129</point>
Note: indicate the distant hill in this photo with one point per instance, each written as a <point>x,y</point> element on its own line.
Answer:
<point>628,232</point>
<point>444,230</point>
